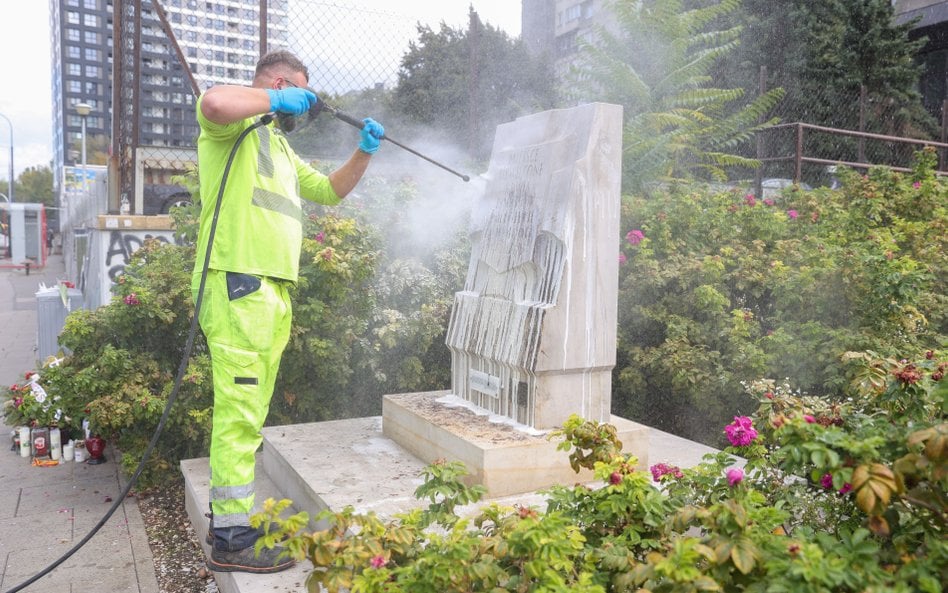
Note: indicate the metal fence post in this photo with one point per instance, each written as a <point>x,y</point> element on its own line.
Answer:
<point>263,27</point>
<point>759,176</point>
<point>863,98</point>
<point>798,163</point>
<point>944,134</point>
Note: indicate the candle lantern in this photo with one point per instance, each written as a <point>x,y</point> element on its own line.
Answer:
<point>95,445</point>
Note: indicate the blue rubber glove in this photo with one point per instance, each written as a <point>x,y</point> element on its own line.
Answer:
<point>371,136</point>
<point>292,100</point>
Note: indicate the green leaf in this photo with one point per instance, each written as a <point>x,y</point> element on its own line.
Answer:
<point>743,554</point>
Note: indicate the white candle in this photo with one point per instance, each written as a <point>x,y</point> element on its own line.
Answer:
<point>68,452</point>
<point>55,443</point>
<point>25,441</point>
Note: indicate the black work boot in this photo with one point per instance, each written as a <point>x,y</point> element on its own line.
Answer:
<point>209,537</point>
<point>245,560</point>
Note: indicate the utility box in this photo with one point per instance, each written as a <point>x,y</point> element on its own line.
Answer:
<point>51,314</point>
<point>24,235</point>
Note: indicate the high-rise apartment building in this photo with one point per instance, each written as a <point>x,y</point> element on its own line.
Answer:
<point>556,27</point>
<point>930,20</point>
<point>220,39</point>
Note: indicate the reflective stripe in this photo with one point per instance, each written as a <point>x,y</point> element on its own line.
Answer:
<point>273,201</point>
<point>264,161</point>
<point>220,493</point>
<point>235,520</point>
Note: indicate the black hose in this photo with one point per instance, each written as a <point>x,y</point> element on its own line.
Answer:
<point>182,368</point>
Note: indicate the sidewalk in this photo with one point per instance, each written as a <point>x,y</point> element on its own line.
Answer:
<point>48,510</point>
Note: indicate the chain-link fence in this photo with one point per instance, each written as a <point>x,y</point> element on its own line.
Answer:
<point>348,48</point>
<point>354,54</point>
<point>169,51</point>
<point>821,128</point>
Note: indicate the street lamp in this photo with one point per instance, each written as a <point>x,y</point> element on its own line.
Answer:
<point>84,109</point>
<point>11,155</point>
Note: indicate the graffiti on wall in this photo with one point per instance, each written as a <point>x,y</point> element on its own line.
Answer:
<point>122,244</point>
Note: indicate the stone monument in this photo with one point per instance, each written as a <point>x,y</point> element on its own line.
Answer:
<point>533,333</point>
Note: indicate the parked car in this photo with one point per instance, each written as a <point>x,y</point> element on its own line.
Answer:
<point>774,186</point>
<point>158,199</point>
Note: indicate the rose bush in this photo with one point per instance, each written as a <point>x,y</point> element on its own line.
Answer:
<point>762,515</point>
<point>719,286</point>
<point>29,404</point>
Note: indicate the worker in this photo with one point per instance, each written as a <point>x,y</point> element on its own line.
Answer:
<point>254,259</point>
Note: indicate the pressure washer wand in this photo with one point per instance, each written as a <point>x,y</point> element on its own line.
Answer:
<point>358,124</point>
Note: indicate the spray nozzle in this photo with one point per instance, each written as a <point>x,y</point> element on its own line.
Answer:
<point>317,107</point>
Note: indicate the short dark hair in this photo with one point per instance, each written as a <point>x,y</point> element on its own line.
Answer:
<point>280,58</point>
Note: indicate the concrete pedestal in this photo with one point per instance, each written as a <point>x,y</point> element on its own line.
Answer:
<point>503,457</point>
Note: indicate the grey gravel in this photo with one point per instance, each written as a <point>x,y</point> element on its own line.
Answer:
<point>179,559</point>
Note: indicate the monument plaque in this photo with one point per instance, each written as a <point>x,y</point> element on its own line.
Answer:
<point>538,309</point>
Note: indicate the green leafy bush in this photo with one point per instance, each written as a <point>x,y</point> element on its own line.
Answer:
<point>125,356</point>
<point>368,315</point>
<point>720,286</point>
<point>842,497</point>
<point>370,309</point>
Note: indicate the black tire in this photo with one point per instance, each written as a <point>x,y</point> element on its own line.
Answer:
<point>175,200</point>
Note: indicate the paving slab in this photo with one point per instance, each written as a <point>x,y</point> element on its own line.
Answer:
<point>48,510</point>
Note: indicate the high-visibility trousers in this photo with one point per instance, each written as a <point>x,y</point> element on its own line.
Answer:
<point>246,320</point>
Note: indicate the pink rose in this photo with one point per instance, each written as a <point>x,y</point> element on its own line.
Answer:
<point>662,469</point>
<point>634,236</point>
<point>740,432</point>
<point>735,476</point>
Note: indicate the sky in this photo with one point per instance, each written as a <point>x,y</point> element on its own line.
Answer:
<point>25,95</point>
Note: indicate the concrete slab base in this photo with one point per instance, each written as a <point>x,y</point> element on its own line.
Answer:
<point>504,458</point>
<point>329,465</point>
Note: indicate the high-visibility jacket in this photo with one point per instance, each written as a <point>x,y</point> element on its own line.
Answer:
<point>259,229</point>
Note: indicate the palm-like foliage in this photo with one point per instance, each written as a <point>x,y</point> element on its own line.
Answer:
<point>655,62</point>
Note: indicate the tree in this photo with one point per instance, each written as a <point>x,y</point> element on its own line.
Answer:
<point>98,147</point>
<point>466,82</point>
<point>656,63</point>
<point>856,43</point>
<point>823,54</point>
<point>35,184</point>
